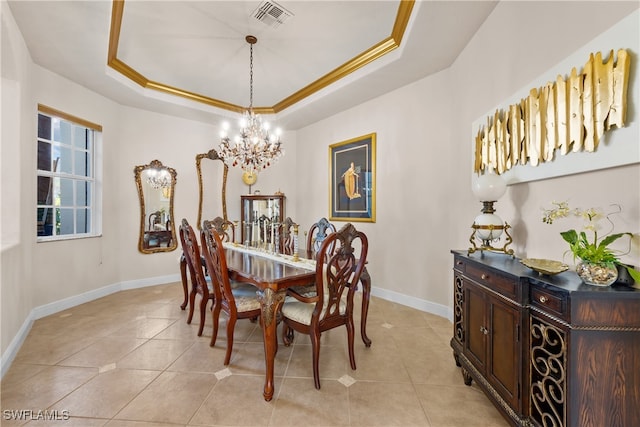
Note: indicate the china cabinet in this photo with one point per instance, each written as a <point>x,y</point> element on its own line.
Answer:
<point>547,350</point>
<point>255,208</point>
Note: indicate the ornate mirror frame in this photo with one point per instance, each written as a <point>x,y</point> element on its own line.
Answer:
<point>213,155</point>
<point>166,228</point>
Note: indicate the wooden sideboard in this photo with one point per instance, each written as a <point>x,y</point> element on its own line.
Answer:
<point>547,350</point>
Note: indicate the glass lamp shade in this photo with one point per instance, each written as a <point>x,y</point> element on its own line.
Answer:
<point>489,187</point>
<point>488,226</point>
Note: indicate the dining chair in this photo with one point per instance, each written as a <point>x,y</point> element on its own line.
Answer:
<point>199,285</point>
<point>155,220</point>
<point>225,229</point>
<point>317,234</point>
<point>151,238</point>
<point>237,300</point>
<point>338,270</point>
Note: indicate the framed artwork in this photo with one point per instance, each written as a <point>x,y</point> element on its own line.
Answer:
<point>352,179</point>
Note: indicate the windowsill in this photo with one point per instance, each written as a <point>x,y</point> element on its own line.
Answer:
<point>46,239</point>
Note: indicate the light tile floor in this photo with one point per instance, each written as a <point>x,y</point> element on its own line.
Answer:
<point>131,360</point>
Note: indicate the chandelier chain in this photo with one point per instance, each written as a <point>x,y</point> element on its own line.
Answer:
<point>251,77</point>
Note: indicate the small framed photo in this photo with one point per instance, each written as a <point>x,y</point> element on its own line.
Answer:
<point>352,179</point>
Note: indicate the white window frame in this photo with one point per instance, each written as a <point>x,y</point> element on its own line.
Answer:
<point>93,177</point>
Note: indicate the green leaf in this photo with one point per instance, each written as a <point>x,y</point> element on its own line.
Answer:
<point>635,274</point>
<point>611,238</point>
<point>583,238</point>
<point>570,236</point>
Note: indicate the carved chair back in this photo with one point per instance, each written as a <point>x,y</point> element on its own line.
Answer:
<point>317,234</point>
<point>225,228</point>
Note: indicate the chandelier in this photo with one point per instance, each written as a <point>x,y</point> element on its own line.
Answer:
<point>158,178</point>
<point>254,147</point>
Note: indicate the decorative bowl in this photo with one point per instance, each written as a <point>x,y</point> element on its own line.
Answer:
<point>545,266</point>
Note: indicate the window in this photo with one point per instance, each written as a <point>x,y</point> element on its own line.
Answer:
<point>68,202</point>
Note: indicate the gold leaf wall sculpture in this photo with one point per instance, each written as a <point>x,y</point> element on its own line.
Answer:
<point>568,115</point>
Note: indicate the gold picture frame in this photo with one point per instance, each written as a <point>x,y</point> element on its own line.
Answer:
<point>352,179</point>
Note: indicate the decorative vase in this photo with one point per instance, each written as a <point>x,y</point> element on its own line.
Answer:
<point>597,274</point>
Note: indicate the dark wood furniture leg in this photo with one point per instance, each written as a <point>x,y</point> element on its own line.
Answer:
<point>183,275</point>
<point>270,302</point>
<point>366,294</point>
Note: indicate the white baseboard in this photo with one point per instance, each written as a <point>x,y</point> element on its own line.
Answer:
<point>66,303</point>
<point>417,303</point>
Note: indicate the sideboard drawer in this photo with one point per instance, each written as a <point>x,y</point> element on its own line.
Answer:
<point>505,285</point>
<point>548,301</point>
<point>459,264</point>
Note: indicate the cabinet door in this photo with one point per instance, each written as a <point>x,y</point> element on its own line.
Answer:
<point>475,345</point>
<point>492,340</point>
<point>504,350</point>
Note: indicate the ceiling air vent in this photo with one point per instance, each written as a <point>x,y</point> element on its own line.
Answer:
<point>271,13</point>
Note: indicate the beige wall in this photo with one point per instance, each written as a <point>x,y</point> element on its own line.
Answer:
<point>15,270</point>
<point>424,202</point>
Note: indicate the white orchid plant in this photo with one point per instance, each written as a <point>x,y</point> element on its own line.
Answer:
<point>596,221</point>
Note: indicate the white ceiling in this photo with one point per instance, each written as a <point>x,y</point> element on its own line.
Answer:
<point>199,47</point>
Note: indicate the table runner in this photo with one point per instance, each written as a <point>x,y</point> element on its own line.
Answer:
<point>307,264</point>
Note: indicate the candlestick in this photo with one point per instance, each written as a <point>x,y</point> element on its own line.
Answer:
<point>247,233</point>
<point>305,237</point>
<point>264,233</point>
<point>295,243</point>
<point>273,237</point>
<point>254,233</point>
<point>235,229</point>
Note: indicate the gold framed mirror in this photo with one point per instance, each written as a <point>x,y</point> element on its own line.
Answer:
<point>156,185</point>
<point>215,174</point>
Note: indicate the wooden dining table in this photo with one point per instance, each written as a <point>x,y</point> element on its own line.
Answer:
<point>272,277</point>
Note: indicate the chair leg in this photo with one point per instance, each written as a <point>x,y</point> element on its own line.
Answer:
<point>230,327</point>
<point>315,349</point>
<point>192,302</point>
<point>216,317</point>
<point>287,334</point>
<point>203,310</point>
<point>183,276</point>
<point>350,338</point>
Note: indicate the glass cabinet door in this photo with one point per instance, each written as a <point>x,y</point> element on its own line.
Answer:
<point>256,209</point>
